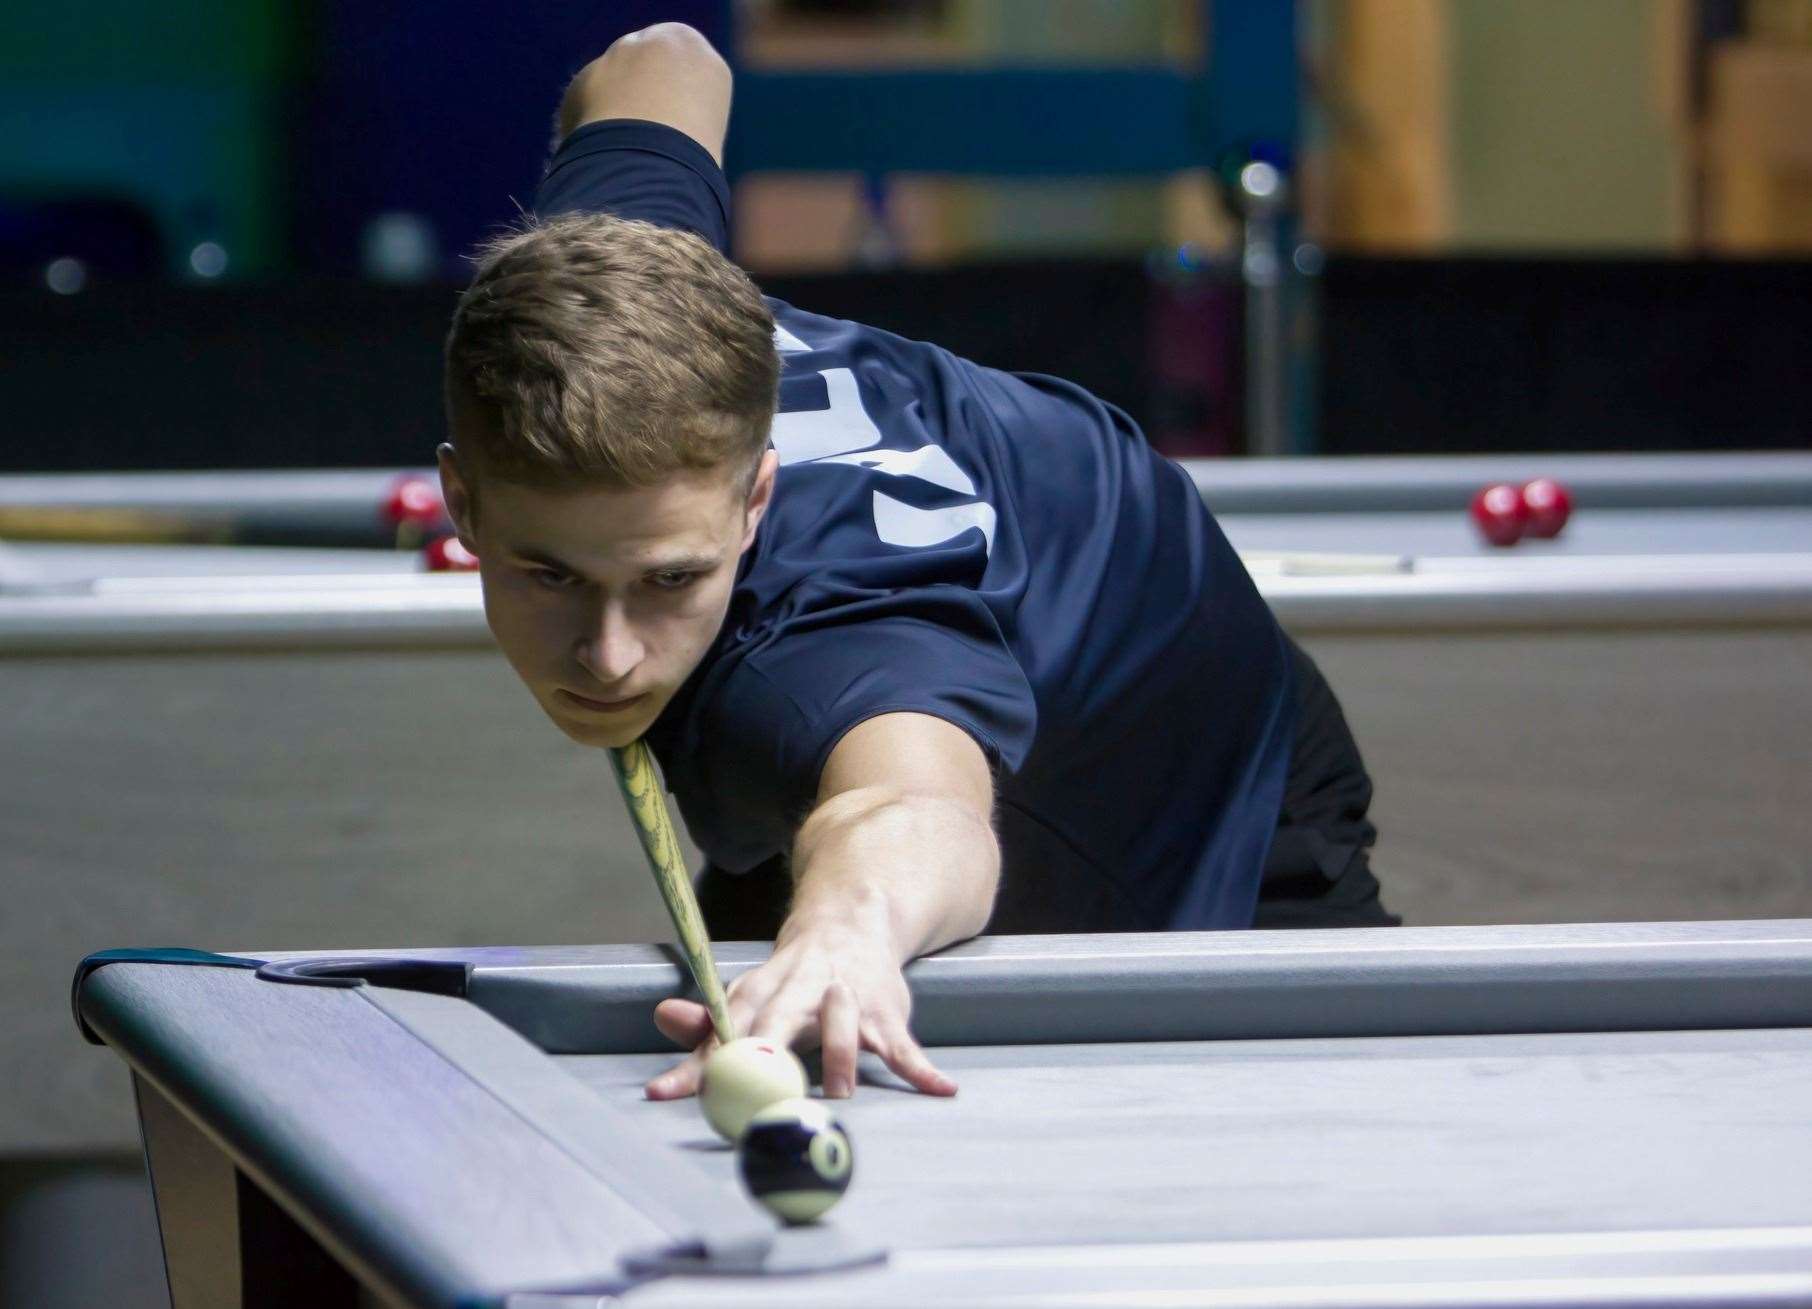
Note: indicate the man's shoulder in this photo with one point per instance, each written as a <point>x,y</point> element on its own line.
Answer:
<point>800,333</point>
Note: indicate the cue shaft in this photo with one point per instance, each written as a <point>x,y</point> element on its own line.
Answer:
<point>1298,563</point>
<point>111,525</point>
<point>129,525</point>
<point>641,787</point>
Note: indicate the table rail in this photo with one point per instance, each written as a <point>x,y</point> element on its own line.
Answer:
<point>1186,986</point>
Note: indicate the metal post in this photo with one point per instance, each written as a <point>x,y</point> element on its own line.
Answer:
<point>1263,197</point>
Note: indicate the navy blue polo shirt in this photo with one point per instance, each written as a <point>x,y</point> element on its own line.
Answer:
<point>1002,551</point>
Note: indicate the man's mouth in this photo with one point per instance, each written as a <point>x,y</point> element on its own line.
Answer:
<point>592,705</point>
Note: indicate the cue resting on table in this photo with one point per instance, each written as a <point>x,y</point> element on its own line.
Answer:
<point>641,787</point>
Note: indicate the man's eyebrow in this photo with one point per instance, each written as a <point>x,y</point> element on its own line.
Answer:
<point>683,563</point>
<point>529,554</point>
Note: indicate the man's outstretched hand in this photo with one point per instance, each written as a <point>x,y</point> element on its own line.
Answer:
<point>898,859</point>
<point>840,992</point>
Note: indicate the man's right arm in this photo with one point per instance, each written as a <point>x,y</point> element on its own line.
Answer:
<point>667,74</point>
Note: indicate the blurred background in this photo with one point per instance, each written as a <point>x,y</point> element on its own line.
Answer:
<point>232,233</point>
<point>208,204</point>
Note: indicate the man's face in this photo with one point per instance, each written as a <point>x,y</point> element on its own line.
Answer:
<point>604,600</point>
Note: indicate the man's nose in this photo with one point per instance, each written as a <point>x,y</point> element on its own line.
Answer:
<point>611,649</point>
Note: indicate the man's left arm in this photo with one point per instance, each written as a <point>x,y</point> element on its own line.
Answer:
<point>898,858</point>
<point>640,134</point>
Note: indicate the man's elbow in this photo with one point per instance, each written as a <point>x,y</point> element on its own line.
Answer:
<point>679,41</point>
<point>667,71</point>
<point>674,52</point>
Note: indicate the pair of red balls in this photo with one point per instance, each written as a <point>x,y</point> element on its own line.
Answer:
<point>1506,513</point>
<point>414,508</point>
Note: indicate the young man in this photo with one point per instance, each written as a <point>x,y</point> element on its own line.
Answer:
<point>923,648</point>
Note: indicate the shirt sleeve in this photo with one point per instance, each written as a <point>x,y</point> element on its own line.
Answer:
<point>797,697</point>
<point>642,170</point>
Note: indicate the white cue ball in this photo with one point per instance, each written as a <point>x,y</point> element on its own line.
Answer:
<point>745,1077</point>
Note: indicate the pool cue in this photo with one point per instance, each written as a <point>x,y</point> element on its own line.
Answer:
<point>187,525</point>
<point>1291,563</point>
<point>641,788</point>
<point>111,525</point>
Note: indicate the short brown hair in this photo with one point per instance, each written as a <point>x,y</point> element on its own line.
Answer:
<point>591,348</point>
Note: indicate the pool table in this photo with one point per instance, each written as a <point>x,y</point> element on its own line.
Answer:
<point>1669,541</point>
<point>1336,545</point>
<point>1611,1114</point>
<point>1557,733</point>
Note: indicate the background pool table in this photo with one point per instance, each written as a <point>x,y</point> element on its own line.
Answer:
<point>1606,1115</point>
<point>269,743</point>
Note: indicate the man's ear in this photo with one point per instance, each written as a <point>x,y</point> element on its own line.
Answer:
<point>761,495</point>
<point>458,493</point>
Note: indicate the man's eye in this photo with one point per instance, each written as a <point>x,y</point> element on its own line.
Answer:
<point>551,578</point>
<point>672,581</point>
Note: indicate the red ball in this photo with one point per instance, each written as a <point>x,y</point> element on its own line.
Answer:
<point>414,500</point>
<point>444,554</point>
<point>1549,507</point>
<point>1500,515</point>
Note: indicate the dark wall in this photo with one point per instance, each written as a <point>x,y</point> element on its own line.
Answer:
<point>330,374</point>
<point>1418,356</point>
<point>158,375</point>
<point>1433,355</point>
<point>443,110</point>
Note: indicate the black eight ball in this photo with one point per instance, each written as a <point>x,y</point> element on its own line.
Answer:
<point>796,1159</point>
